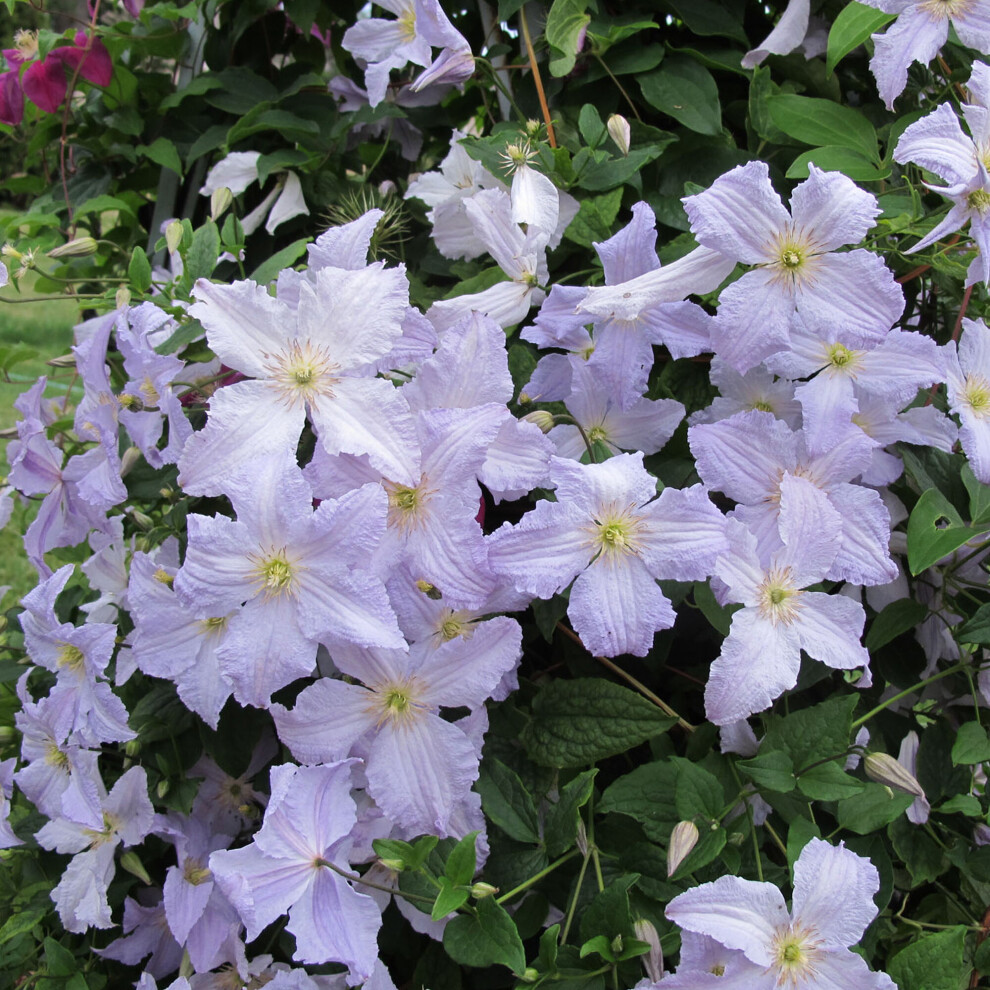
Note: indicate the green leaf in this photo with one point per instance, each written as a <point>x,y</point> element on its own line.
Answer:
<point>698,793</point>
<point>18,924</point>
<point>268,270</point>
<point>608,914</point>
<point>58,959</point>
<point>873,808</point>
<point>971,745</point>
<point>201,258</point>
<point>188,331</point>
<point>933,962</point>
<point>449,899</point>
<point>16,354</point>
<point>964,804</point>
<point>976,629</point>
<point>486,938</point>
<point>590,123</point>
<point>979,497</point>
<point>104,204</point>
<point>578,722</point>
<point>896,618</point>
<point>565,23</point>
<point>850,29</point>
<point>720,616</point>
<point>611,172</point>
<point>799,834</point>
<point>139,270</point>
<point>770,769</point>
<point>919,851</point>
<point>686,91</point>
<point>162,152</point>
<point>707,18</point>
<point>412,855</point>
<point>460,865</point>
<point>548,948</point>
<point>822,122</point>
<point>831,158</point>
<point>562,819</point>
<point>927,542</point>
<point>601,944</point>
<point>828,782</point>
<point>646,794</point>
<point>594,219</point>
<point>815,733</point>
<point>506,801</point>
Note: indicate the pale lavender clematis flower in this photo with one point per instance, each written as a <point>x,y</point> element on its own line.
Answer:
<point>706,964</point>
<point>78,656</point>
<point>610,531</point>
<point>907,756</point>
<point>747,455</point>
<point>795,264</point>
<point>787,34</point>
<point>805,948</point>
<point>968,386</point>
<point>892,370</point>
<point>146,933</point>
<point>81,896</point>
<point>292,866</point>
<point>7,836</point>
<point>645,424</point>
<point>756,389</point>
<point>297,574</point>
<point>420,768</point>
<point>761,656</point>
<point>444,191</point>
<point>305,357</point>
<point>921,29</point>
<point>937,143</point>
<point>385,45</point>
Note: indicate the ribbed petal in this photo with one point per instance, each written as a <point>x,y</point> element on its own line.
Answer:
<point>916,36</point>
<point>937,143</point>
<point>753,319</point>
<point>830,627</point>
<point>831,210</point>
<point>328,718</point>
<point>632,251</point>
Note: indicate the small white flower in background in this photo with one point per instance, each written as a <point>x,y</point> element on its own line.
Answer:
<point>238,171</point>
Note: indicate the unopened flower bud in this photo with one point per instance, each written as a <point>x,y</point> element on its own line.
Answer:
<point>653,960</point>
<point>618,130</point>
<point>7,732</point>
<point>78,247</point>
<point>395,865</point>
<point>122,297</point>
<point>582,839</point>
<point>543,418</point>
<point>481,890</point>
<point>220,202</point>
<point>163,787</point>
<point>530,975</point>
<point>884,769</point>
<point>63,361</point>
<point>133,747</point>
<point>173,236</point>
<point>141,520</point>
<point>533,128</point>
<point>616,945</point>
<point>128,459</point>
<point>131,862</point>
<point>387,188</point>
<point>683,839</point>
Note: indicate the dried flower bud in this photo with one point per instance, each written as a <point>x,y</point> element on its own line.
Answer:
<point>122,297</point>
<point>884,769</point>
<point>653,960</point>
<point>220,201</point>
<point>129,458</point>
<point>683,839</point>
<point>542,418</point>
<point>618,130</point>
<point>78,247</point>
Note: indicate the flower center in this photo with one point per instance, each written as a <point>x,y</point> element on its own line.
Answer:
<point>407,506</point>
<point>303,372</point>
<point>397,702</point>
<point>54,757</point>
<point>976,395</point>
<point>70,656</point>
<point>762,405</point>
<point>276,575</point>
<point>839,356</point>
<point>163,577</point>
<point>150,393</point>
<point>598,434</point>
<point>195,873</point>
<point>979,200</point>
<point>26,43</point>
<point>791,257</point>
<point>100,837</point>
<point>517,156</point>
<point>407,24</point>
<point>615,532</point>
<point>939,10</point>
<point>778,599</point>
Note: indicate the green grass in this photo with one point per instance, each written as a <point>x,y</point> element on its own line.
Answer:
<point>46,328</point>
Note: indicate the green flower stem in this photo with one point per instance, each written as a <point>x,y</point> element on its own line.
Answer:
<point>526,884</point>
<point>572,907</point>
<point>357,878</point>
<point>903,694</point>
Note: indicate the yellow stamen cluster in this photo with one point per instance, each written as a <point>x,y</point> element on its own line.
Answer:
<point>779,600</point>
<point>303,372</point>
<point>975,393</point>
<point>275,574</point>
<point>398,702</point>
<point>70,656</point>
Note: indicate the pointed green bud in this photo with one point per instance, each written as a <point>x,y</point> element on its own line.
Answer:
<point>131,862</point>
<point>481,890</point>
<point>78,247</point>
<point>530,975</point>
<point>542,418</point>
<point>884,769</point>
<point>683,839</point>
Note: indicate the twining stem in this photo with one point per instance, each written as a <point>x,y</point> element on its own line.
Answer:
<point>526,884</point>
<point>629,679</point>
<point>537,78</point>
<point>903,694</point>
<point>572,907</point>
